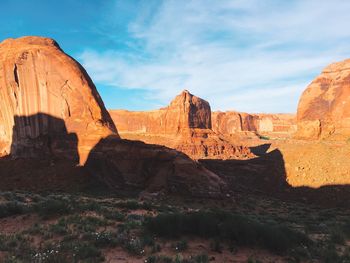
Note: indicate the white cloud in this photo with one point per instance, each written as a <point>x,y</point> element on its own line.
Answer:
<point>244,55</point>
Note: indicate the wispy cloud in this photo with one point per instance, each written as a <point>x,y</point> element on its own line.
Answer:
<point>247,55</point>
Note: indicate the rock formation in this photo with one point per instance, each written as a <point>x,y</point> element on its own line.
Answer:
<point>184,125</point>
<point>51,112</point>
<point>122,164</point>
<point>36,76</point>
<point>232,123</point>
<point>324,107</point>
<point>184,112</point>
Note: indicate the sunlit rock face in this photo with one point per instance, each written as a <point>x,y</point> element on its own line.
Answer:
<point>324,107</point>
<point>184,125</point>
<point>186,111</point>
<point>37,77</point>
<point>234,123</point>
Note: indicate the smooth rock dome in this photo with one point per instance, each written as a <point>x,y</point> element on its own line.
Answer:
<point>37,77</point>
<point>324,107</point>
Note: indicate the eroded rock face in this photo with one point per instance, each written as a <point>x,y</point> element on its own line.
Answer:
<point>185,112</point>
<point>324,107</point>
<point>184,125</point>
<point>232,123</point>
<point>36,76</point>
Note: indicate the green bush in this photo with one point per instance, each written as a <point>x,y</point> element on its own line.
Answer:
<point>236,228</point>
<point>113,215</point>
<point>12,208</point>
<point>53,207</point>
<point>182,245</point>
<point>337,236</point>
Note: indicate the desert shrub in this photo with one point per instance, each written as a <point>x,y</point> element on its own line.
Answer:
<point>253,260</point>
<point>113,215</point>
<point>337,236</point>
<point>264,137</point>
<point>88,251</point>
<point>101,239</point>
<point>53,207</point>
<point>90,206</point>
<point>216,246</point>
<point>134,246</point>
<point>59,228</point>
<point>159,259</point>
<point>12,208</point>
<point>346,228</point>
<point>181,245</point>
<point>86,224</point>
<point>133,205</point>
<point>17,247</point>
<point>330,255</point>
<point>202,258</point>
<point>239,229</point>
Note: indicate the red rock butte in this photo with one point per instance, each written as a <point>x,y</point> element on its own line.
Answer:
<point>184,125</point>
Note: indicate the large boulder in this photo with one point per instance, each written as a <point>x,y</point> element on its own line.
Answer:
<point>36,76</point>
<point>324,107</point>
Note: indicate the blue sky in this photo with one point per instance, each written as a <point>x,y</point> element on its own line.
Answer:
<point>247,55</point>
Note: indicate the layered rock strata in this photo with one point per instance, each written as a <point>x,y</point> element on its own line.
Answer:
<point>184,125</point>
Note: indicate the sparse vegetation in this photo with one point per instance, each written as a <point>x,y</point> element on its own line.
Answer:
<point>73,228</point>
<point>235,228</point>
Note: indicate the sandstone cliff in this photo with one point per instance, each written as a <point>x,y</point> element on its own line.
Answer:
<point>184,125</point>
<point>232,123</point>
<point>324,107</point>
<point>36,76</point>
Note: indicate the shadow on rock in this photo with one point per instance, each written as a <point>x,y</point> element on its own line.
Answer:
<point>44,157</point>
<point>134,165</point>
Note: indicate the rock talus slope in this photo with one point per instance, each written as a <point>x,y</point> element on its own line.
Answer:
<point>324,107</point>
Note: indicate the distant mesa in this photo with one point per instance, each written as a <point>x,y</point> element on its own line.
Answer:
<point>185,125</point>
<point>189,125</point>
<point>50,111</point>
<point>243,125</point>
<point>324,107</point>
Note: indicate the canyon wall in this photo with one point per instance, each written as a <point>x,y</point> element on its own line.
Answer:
<point>324,107</point>
<point>184,125</point>
<point>234,123</point>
